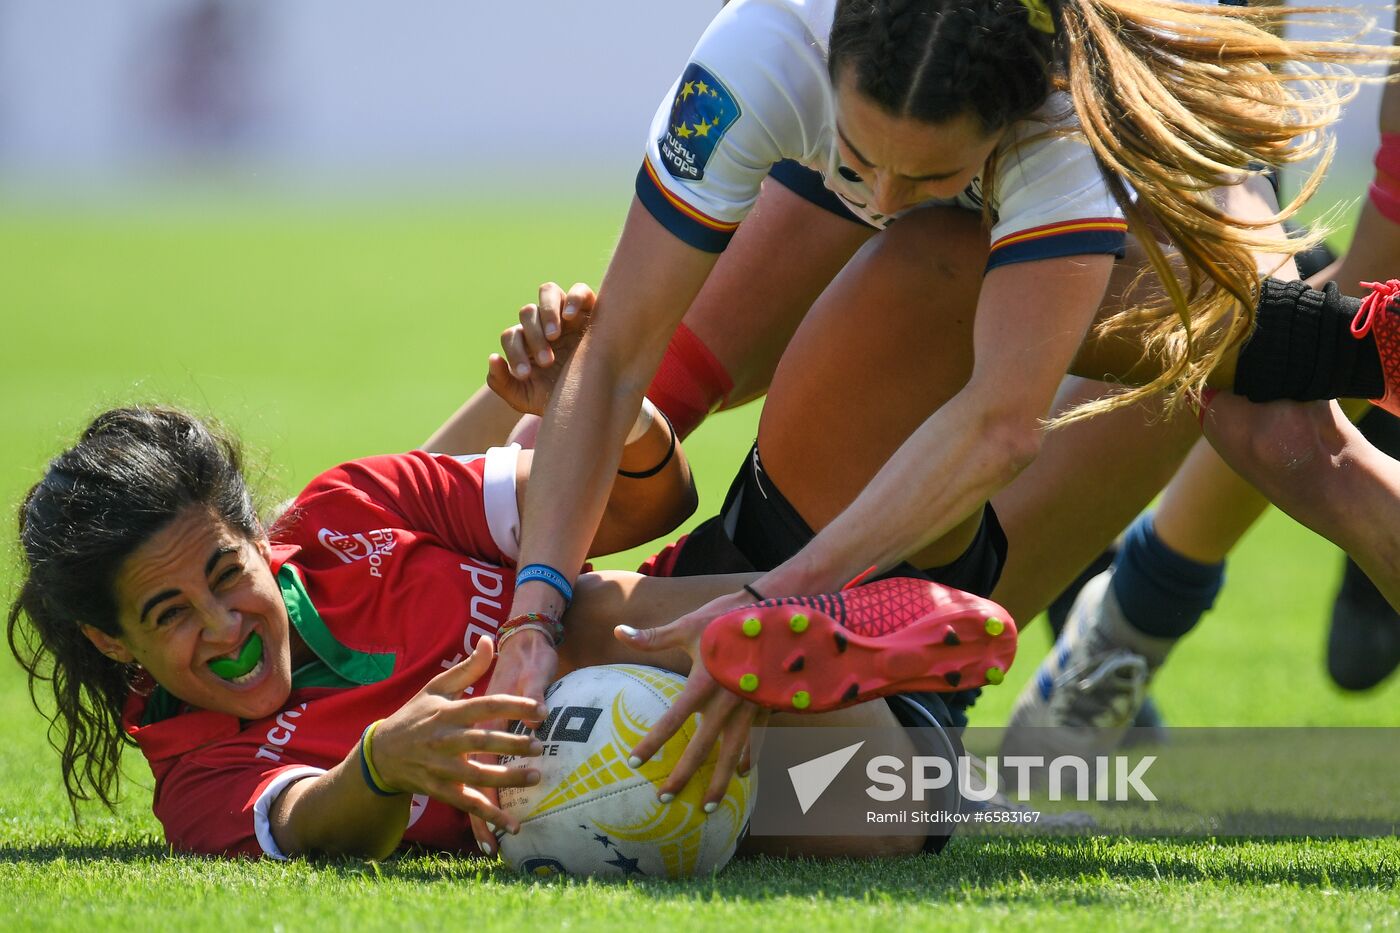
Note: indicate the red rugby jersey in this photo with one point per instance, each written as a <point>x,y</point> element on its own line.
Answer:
<point>391,568</point>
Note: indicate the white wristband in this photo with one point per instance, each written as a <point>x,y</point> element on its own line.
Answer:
<point>645,417</point>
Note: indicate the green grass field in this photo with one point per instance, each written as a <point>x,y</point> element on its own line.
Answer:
<point>327,334</point>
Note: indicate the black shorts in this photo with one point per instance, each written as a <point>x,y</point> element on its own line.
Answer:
<point>758,529</point>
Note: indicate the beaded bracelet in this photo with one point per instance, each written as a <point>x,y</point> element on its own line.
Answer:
<point>545,624</point>
<point>367,771</point>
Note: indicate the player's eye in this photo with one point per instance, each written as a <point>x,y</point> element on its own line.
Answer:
<point>229,575</point>
<point>849,173</point>
<point>169,615</point>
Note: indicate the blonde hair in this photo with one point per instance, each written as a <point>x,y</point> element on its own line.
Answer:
<point>1178,100</point>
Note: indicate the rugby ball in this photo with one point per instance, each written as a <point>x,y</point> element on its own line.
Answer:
<point>594,814</point>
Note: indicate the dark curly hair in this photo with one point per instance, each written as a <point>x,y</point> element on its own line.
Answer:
<point>133,471</point>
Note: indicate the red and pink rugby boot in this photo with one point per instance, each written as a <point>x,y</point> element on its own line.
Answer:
<point>1379,318</point>
<point>819,653</point>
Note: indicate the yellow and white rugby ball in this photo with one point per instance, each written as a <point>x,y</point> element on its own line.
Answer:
<point>592,813</point>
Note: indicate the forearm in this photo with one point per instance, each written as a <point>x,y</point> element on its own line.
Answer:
<point>337,814</point>
<point>948,468</point>
<point>483,421</point>
<point>650,283</point>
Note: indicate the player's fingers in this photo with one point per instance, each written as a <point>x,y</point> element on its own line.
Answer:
<point>481,774</point>
<point>497,371</point>
<point>451,682</point>
<point>672,635</point>
<point>701,744</point>
<point>753,748</point>
<point>493,741</point>
<point>690,700</point>
<point>733,745</point>
<point>482,833</point>
<point>532,329</point>
<point>482,804</point>
<point>496,707</point>
<point>499,380</point>
<point>579,302</point>
<point>516,352</point>
<point>551,307</point>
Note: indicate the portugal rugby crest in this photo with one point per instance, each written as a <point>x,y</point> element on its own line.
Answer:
<point>702,112</point>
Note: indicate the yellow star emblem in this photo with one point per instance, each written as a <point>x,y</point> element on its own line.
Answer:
<point>702,128</point>
<point>683,131</point>
<point>688,90</point>
<point>702,87</point>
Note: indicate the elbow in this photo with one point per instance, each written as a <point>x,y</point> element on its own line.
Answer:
<point>1012,440</point>
<point>685,505</point>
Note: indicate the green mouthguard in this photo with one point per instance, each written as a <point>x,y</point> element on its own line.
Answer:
<point>248,658</point>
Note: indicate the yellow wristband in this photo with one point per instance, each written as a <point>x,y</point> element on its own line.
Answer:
<point>368,755</point>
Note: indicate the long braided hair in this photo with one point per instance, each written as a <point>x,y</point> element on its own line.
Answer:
<point>1176,100</point>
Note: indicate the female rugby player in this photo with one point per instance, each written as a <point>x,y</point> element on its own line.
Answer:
<point>902,103</point>
<point>321,688</point>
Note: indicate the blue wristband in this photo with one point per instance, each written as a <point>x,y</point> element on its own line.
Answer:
<point>545,574</point>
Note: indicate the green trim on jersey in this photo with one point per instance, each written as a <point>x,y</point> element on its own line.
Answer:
<point>162,705</point>
<point>336,666</point>
<point>357,667</point>
<point>319,674</point>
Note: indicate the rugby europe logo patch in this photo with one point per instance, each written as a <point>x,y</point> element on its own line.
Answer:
<point>701,114</point>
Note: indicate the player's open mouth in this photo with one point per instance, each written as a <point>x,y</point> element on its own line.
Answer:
<point>243,665</point>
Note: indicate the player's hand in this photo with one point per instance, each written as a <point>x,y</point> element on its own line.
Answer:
<point>427,745</point>
<point>724,717</point>
<point>533,351</point>
<point>525,667</point>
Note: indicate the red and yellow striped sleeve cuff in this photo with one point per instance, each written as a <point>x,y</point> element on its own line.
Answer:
<point>691,225</point>
<point>1079,237</point>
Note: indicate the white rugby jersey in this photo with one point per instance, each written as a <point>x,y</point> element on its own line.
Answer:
<point>756,92</point>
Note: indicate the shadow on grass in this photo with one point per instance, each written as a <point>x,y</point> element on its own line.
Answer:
<point>998,869</point>
<point>48,852</point>
<point>1027,865</point>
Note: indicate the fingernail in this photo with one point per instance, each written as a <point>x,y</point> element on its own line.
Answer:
<point>552,330</point>
<point>536,748</point>
<point>666,798</point>
<point>492,827</point>
<point>544,359</point>
<point>488,848</point>
<point>628,631</point>
<point>532,777</point>
<point>522,370</point>
<point>711,807</point>
<point>634,762</point>
<point>570,310</point>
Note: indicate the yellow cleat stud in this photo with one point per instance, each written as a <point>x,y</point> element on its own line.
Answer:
<point>995,675</point>
<point>748,683</point>
<point>752,627</point>
<point>994,626</point>
<point>798,623</point>
<point>801,699</point>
